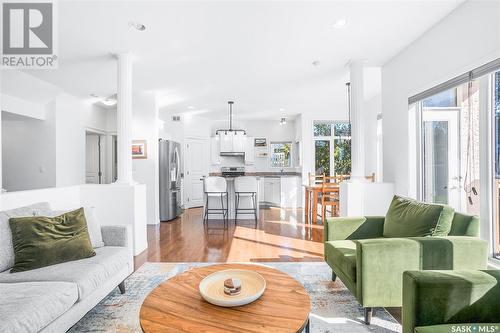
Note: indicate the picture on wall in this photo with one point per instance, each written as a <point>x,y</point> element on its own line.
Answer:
<point>139,149</point>
<point>260,142</point>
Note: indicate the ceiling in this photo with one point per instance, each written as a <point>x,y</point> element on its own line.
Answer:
<point>198,55</point>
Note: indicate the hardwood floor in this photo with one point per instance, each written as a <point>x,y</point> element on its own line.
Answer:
<point>280,236</point>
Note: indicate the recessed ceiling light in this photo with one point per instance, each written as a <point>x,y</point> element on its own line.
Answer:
<point>282,109</point>
<point>191,107</point>
<point>137,26</point>
<point>315,63</point>
<point>340,23</point>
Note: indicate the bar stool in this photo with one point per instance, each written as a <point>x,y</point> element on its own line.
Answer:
<point>216,187</point>
<point>245,186</point>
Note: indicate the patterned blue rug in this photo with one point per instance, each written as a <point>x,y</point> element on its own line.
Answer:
<point>334,309</point>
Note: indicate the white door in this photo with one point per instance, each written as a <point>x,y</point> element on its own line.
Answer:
<point>441,157</point>
<point>196,167</point>
<point>93,163</point>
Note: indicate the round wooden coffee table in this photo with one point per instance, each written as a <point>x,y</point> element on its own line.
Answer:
<point>177,306</point>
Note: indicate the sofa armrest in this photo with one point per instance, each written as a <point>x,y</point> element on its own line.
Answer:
<point>380,264</point>
<point>453,252</point>
<point>339,228</point>
<point>117,235</point>
<point>450,297</point>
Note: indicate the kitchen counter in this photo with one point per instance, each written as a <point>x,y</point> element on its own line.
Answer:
<point>264,174</point>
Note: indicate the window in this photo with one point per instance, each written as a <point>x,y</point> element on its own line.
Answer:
<point>281,154</point>
<point>332,148</point>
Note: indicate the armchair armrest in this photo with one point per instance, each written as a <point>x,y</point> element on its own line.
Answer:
<point>380,265</point>
<point>453,252</point>
<point>339,228</point>
<point>117,235</point>
<point>450,297</point>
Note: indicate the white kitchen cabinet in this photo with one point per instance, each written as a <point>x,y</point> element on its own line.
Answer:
<point>249,151</point>
<point>232,142</point>
<point>262,197</point>
<point>291,189</point>
<point>214,151</point>
<point>272,191</point>
<point>226,142</point>
<point>284,191</point>
<point>239,140</point>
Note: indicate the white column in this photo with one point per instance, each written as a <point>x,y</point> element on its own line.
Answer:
<point>1,170</point>
<point>357,121</point>
<point>124,119</point>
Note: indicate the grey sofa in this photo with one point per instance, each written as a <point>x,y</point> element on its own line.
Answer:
<point>54,298</point>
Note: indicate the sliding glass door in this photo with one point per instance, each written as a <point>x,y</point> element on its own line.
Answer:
<point>449,146</point>
<point>441,160</point>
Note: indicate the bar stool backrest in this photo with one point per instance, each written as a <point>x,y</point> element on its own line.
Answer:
<point>246,184</point>
<point>215,184</point>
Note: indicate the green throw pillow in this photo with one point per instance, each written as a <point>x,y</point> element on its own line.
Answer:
<point>41,241</point>
<point>411,218</point>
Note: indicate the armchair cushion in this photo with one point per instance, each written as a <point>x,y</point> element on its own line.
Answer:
<point>342,253</point>
<point>411,218</point>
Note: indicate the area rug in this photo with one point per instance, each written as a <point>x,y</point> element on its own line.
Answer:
<point>334,309</point>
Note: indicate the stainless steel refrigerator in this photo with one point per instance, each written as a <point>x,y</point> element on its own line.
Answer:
<point>170,179</point>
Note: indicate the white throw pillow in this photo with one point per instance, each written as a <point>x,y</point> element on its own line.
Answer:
<point>94,227</point>
<point>93,224</point>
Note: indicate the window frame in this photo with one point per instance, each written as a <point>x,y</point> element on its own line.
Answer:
<point>271,154</point>
<point>330,138</point>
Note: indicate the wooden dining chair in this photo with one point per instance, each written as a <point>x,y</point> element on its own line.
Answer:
<point>315,179</point>
<point>330,196</point>
<point>371,177</point>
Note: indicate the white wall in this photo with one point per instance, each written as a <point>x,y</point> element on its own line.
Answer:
<point>70,140</point>
<point>465,39</point>
<point>145,171</point>
<point>372,108</point>
<point>22,107</point>
<point>28,151</point>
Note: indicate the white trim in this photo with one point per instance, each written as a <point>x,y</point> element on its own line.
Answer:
<point>493,263</point>
<point>485,161</point>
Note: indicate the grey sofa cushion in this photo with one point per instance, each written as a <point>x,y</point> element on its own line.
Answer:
<point>88,274</point>
<point>6,249</point>
<point>29,307</point>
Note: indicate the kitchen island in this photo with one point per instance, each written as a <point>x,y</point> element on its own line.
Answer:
<point>275,189</point>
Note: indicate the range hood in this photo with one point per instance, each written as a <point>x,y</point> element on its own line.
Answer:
<point>232,153</point>
<point>231,140</point>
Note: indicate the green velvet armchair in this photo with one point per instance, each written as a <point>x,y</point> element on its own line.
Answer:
<point>451,301</point>
<point>371,266</point>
